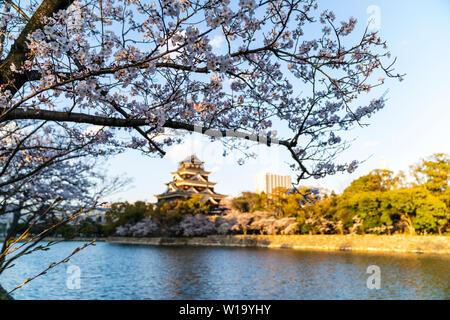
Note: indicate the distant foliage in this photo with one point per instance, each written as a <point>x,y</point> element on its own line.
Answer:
<point>193,205</point>
<point>144,228</point>
<point>433,173</point>
<point>385,203</point>
<point>378,203</point>
<point>198,225</point>
<point>126,214</point>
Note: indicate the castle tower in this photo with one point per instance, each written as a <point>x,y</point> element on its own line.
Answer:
<point>191,179</point>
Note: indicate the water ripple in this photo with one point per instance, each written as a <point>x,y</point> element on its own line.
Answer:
<point>114,271</point>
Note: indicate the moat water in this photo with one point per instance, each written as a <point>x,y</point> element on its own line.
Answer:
<point>117,271</point>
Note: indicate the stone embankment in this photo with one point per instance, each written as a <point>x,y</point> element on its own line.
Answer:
<point>357,243</point>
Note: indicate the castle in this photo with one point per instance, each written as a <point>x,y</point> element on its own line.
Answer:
<point>191,179</point>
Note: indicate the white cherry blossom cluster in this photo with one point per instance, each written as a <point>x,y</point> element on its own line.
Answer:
<point>154,63</point>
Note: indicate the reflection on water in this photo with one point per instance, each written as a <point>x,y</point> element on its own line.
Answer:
<point>114,271</point>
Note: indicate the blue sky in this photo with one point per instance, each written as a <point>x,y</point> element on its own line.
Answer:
<point>414,124</point>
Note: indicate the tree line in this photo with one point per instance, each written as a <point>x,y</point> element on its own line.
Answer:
<point>380,202</point>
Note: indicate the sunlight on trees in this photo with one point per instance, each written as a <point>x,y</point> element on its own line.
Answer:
<point>378,203</point>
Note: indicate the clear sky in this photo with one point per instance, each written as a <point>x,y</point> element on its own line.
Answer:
<point>414,124</point>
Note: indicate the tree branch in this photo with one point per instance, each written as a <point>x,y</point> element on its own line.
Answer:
<point>19,52</point>
<point>46,115</point>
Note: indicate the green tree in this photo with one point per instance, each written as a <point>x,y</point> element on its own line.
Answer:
<point>368,206</point>
<point>122,213</point>
<point>364,198</point>
<point>90,228</point>
<point>170,213</point>
<point>245,202</point>
<point>434,174</point>
<point>250,202</point>
<point>376,180</point>
<point>419,209</point>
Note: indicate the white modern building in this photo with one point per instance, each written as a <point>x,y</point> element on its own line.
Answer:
<point>267,182</point>
<point>97,215</point>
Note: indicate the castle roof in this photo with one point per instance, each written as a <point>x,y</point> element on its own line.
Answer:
<point>192,159</point>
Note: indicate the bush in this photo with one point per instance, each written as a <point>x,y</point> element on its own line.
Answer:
<point>198,225</point>
<point>144,228</point>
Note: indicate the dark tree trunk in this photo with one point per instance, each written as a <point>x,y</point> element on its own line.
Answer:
<point>4,294</point>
